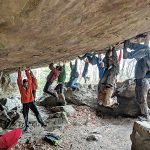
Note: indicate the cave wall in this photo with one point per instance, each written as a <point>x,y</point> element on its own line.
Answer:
<point>36,32</point>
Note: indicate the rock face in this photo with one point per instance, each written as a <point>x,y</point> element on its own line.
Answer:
<point>140,136</point>
<point>7,87</point>
<point>37,32</point>
<point>128,106</point>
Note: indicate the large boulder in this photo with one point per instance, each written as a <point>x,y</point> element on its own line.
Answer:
<point>87,95</point>
<point>70,111</point>
<point>140,136</point>
<point>47,101</point>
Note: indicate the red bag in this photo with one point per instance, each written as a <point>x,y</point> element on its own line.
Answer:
<point>10,139</point>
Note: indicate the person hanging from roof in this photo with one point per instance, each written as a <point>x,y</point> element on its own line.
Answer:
<point>91,57</point>
<point>60,86</point>
<point>34,84</point>
<point>141,52</point>
<point>73,77</point>
<point>107,84</point>
<point>27,99</point>
<point>53,75</point>
<point>85,70</point>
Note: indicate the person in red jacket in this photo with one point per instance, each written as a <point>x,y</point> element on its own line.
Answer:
<point>53,75</point>
<point>27,99</point>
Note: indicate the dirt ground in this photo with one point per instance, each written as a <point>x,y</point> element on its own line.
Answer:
<point>111,133</point>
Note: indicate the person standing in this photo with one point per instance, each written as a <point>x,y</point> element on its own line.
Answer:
<point>141,52</point>
<point>27,99</point>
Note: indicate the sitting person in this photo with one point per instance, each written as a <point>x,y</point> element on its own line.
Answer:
<point>107,83</point>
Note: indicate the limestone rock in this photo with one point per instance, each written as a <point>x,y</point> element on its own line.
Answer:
<point>93,137</point>
<point>57,120</point>
<point>48,101</point>
<point>140,136</point>
<point>84,96</point>
<point>36,32</point>
<point>67,108</point>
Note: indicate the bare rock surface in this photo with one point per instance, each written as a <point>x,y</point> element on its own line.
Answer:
<point>67,108</point>
<point>128,106</point>
<point>141,135</point>
<point>37,32</point>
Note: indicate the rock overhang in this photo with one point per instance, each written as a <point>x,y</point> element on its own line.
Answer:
<point>37,32</point>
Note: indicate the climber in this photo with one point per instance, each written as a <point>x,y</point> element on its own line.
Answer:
<point>85,70</point>
<point>142,54</point>
<point>53,75</point>
<point>90,57</point>
<point>34,84</point>
<point>73,77</point>
<point>107,83</point>
<point>4,116</point>
<point>61,83</point>
<point>139,50</point>
<point>27,98</point>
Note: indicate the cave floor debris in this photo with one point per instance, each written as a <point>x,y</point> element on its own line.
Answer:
<point>111,133</point>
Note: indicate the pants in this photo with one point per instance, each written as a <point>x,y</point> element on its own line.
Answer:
<point>141,91</point>
<point>105,96</point>
<point>60,88</point>
<point>142,67</point>
<point>46,87</point>
<point>140,50</point>
<point>33,107</point>
<point>74,84</point>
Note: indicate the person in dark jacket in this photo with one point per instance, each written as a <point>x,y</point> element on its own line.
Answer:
<point>141,52</point>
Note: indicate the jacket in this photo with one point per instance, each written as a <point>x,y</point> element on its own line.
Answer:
<point>26,94</point>
<point>62,76</point>
<point>53,75</point>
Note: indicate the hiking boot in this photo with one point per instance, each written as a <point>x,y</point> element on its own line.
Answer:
<point>43,125</point>
<point>125,52</point>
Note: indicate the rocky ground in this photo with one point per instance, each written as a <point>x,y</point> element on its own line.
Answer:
<point>109,133</point>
